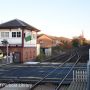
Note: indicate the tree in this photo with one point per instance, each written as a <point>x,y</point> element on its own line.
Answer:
<point>75,42</point>
<point>41,57</point>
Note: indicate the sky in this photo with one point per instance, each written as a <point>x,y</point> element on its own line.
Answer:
<point>68,18</point>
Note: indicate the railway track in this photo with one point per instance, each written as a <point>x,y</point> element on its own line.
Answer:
<point>77,60</point>
<point>83,51</point>
<point>76,55</point>
<point>73,56</point>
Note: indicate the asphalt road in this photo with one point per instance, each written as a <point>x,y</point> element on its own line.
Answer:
<point>34,72</point>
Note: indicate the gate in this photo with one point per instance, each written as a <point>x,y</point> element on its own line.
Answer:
<point>16,57</point>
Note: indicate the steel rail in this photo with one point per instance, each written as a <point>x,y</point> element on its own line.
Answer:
<point>58,57</point>
<point>58,87</point>
<point>37,83</point>
<point>55,58</point>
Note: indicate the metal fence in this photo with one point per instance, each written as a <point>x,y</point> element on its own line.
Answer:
<point>80,75</point>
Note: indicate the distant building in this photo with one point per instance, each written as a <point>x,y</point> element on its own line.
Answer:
<point>22,39</point>
<point>47,42</point>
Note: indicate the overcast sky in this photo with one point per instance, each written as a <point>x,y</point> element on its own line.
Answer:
<point>66,18</point>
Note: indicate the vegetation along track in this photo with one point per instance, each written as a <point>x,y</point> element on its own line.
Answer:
<point>82,50</point>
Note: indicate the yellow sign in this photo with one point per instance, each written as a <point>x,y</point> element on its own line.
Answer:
<point>1,55</point>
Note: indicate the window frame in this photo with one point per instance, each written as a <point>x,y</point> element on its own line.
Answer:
<point>16,34</point>
<point>13,34</point>
<point>4,34</point>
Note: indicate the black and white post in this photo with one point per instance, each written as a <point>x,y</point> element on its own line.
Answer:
<point>88,73</point>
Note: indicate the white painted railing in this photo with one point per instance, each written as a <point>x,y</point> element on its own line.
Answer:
<point>79,75</point>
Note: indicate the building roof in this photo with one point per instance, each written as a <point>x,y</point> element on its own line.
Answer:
<point>16,23</point>
<point>56,38</point>
<point>40,35</point>
<point>53,38</point>
<point>64,39</point>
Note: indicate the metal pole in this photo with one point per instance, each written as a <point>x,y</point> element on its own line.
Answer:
<point>7,54</point>
<point>88,73</point>
<point>73,75</point>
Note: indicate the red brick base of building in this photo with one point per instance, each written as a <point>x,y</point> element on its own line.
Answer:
<point>29,54</point>
<point>21,54</point>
